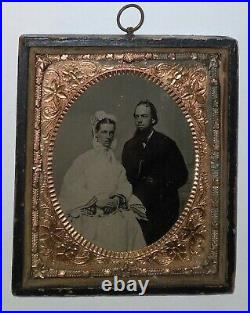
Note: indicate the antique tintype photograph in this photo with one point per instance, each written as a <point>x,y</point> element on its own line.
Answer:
<point>124,175</point>
<point>123,163</point>
<point>124,156</point>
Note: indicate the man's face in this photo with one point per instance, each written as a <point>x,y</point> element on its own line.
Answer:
<point>143,117</point>
<point>105,134</point>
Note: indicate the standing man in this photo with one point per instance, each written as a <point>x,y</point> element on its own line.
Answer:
<point>156,169</point>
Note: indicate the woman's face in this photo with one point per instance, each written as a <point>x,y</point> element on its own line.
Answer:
<point>105,134</point>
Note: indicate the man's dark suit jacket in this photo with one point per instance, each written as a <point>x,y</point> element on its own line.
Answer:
<point>156,169</point>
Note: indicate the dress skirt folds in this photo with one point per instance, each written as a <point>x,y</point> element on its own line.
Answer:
<point>97,174</point>
<point>119,231</point>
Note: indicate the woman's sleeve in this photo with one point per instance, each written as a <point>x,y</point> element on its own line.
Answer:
<point>123,186</point>
<point>73,193</point>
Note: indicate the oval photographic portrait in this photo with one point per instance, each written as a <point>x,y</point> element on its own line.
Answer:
<point>123,163</point>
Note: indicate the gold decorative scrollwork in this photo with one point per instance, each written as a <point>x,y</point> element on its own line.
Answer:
<point>57,249</point>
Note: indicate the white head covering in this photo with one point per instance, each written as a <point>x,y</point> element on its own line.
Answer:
<point>99,116</point>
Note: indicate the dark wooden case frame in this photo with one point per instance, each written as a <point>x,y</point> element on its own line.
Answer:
<point>59,41</point>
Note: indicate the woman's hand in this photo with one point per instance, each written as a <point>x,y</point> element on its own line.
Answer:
<point>111,206</point>
<point>103,203</point>
<point>73,214</point>
<point>113,202</point>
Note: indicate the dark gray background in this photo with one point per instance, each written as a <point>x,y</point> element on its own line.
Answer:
<point>119,95</point>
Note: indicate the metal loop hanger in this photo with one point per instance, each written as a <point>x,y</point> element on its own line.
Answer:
<point>130,30</point>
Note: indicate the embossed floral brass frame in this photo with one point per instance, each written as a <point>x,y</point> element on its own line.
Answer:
<point>197,254</point>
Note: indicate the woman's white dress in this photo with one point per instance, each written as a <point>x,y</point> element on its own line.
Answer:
<point>94,175</point>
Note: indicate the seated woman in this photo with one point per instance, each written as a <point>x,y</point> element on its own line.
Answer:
<point>97,196</point>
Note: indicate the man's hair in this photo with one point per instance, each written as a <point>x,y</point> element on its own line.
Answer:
<point>153,110</point>
<point>104,121</point>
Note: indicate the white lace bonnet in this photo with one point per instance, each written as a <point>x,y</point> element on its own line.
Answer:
<point>99,116</point>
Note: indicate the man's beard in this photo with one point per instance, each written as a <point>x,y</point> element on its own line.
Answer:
<point>142,134</point>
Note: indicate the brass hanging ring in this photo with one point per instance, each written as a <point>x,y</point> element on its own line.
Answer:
<point>130,30</point>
